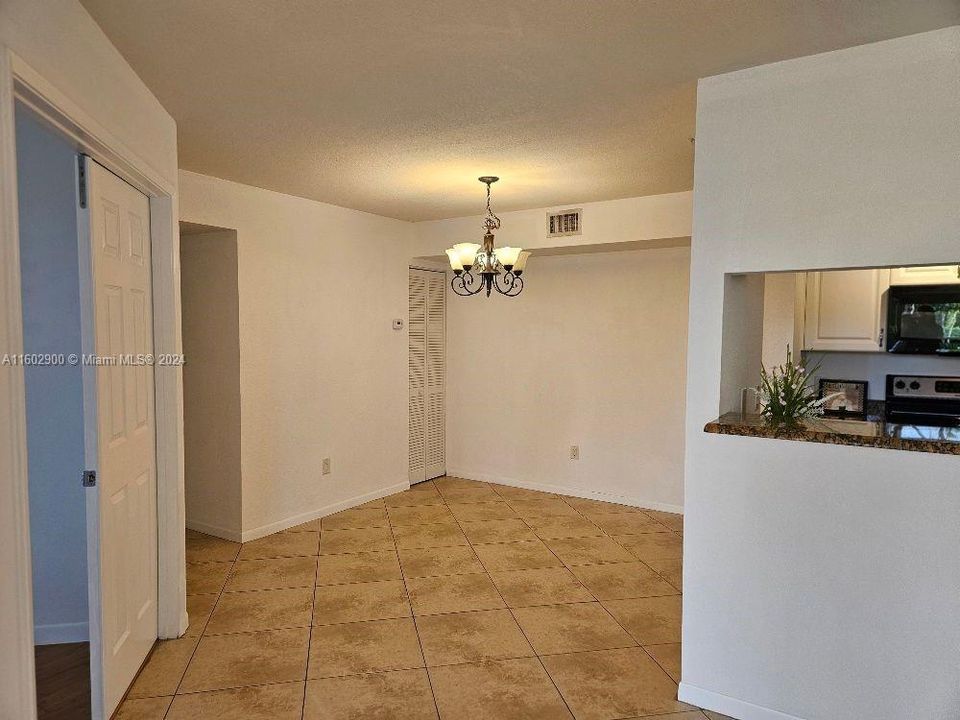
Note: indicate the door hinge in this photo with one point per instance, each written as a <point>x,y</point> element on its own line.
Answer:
<point>82,176</point>
<point>89,478</point>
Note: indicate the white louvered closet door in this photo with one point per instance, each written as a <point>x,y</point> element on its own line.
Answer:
<point>427,366</point>
<point>417,369</point>
<point>435,446</point>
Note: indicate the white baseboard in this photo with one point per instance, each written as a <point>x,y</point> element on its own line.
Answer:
<point>215,530</point>
<point>64,633</point>
<point>295,520</point>
<point>571,491</point>
<point>726,705</point>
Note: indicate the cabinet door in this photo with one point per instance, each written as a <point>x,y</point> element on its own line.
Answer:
<point>929,275</point>
<point>845,310</point>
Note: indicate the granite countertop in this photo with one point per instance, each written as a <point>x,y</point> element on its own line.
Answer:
<point>873,432</point>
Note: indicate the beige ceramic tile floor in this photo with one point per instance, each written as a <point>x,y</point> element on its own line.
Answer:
<point>456,599</point>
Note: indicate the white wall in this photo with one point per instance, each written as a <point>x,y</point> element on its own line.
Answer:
<point>779,318</point>
<point>591,354</point>
<point>211,382</point>
<point>742,338</point>
<point>50,290</point>
<point>563,399</point>
<point>640,220</point>
<point>821,582</point>
<point>59,40</point>
<point>322,373</point>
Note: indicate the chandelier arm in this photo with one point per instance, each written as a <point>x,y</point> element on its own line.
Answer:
<point>511,286</point>
<point>461,285</point>
<point>458,285</point>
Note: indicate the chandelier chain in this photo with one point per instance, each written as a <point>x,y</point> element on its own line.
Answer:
<point>491,222</point>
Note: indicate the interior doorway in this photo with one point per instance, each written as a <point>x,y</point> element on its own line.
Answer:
<point>50,296</point>
<point>86,282</point>
<point>210,301</point>
<point>427,372</point>
<point>22,86</point>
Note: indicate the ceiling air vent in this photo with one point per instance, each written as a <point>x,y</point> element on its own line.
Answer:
<point>565,222</point>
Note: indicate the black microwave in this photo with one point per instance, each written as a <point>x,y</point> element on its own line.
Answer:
<point>924,319</point>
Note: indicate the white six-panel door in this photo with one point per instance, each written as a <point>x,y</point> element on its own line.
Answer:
<point>427,374</point>
<point>120,434</point>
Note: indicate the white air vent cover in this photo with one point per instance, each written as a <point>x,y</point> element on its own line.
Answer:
<point>565,222</point>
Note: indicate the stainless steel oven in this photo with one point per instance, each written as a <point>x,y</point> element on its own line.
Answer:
<point>923,400</point>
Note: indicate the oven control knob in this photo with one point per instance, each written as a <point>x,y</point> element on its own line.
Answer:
<point>899,384</point>
<point>914,385</point>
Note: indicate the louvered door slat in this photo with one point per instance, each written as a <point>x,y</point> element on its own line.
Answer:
<point>417,439</point>
<point>427,372</point>
<point>435,443</point>
<point>417,371</point>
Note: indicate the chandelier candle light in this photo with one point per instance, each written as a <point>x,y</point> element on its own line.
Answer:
<point>495,268</point>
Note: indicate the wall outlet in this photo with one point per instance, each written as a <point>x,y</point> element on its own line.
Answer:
<point>325,466</point>
<point>574,452</point>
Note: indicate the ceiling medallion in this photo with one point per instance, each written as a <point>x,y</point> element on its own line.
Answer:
<point>495,268</point>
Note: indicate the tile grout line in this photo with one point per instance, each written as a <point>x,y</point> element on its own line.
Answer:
<point>538,656</point>
<point>203,630</point>
<point>642,648</point>
<point>413,615</point>
<point>313,610</point>
<point>619,624</point>
<point>588,590</point>
<point>596,599</point>
<point>658,663</point>
<point>203,633</point>
<point>510,610</point>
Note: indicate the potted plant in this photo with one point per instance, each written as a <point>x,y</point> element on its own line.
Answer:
<point>786,397</point>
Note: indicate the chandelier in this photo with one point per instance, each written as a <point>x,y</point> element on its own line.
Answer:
<point>478,267</point>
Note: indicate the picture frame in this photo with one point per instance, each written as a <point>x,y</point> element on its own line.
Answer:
<point>853,403</point>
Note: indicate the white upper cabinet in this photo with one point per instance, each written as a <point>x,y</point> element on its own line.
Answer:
<point>845,310</point>
<point>929,275</point>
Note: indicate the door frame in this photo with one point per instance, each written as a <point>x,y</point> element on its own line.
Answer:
<point>20,82</point>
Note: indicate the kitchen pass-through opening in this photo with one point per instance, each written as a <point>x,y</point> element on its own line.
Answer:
<point>877,343</point>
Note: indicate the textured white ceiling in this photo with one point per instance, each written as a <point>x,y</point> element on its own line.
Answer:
<point>396,106</point>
